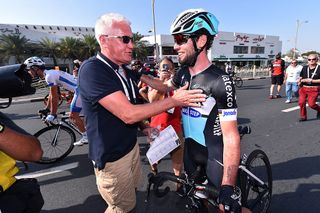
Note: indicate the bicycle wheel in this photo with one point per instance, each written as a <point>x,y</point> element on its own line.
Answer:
<point>56,142</point>
<point>45,100</point>
<point>255,195</point>
<point>238,82</point>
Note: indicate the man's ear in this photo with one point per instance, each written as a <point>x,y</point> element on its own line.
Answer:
<point>202,40</point>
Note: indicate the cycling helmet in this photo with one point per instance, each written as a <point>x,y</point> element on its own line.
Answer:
<point>192,20</point>
<point>34,61</point>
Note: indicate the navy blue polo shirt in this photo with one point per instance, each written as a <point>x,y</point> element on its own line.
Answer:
<point>109,137</point>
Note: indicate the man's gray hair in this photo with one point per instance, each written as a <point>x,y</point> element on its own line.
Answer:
<point>104,23</point>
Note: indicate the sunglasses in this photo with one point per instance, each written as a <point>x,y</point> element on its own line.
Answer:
<point>125,39</point>
<point>182,39</point>
<point>312,59</point>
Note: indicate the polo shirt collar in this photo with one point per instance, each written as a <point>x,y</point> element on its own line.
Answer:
<point>113,65</point>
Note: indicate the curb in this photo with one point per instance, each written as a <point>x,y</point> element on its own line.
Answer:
<point>22,101</point>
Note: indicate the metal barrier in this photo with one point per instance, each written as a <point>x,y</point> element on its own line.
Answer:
<point>254,73</point>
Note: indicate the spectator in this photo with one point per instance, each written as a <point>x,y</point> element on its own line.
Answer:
<point>291,79</point>
<point>23,195</point>
<point>109,95</point>
<point>277,74</point>
<point>309,87</point>
<point>169,117</point>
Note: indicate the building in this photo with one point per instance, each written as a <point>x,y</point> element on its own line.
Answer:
<point>241,49</point>
<point>37,32</point>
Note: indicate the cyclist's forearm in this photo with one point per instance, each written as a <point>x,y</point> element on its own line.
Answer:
<point>54,104</point>
<point>231,157</point>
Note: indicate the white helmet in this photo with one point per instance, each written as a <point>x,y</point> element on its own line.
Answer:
<point>34,61</point>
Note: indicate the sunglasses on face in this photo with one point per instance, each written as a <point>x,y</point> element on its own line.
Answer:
<point>312,59</point>
<point>182,39</point>
<point>125,39</point>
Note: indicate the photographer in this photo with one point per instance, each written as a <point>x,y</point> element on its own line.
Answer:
<point>17,195</point>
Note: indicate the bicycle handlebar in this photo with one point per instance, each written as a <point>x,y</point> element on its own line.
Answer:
<point>158,180</point>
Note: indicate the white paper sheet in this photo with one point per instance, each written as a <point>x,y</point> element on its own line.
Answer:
<point>167,141</point>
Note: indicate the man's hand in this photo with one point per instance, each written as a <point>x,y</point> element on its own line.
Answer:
<point>50,118</point>
<point>228,200</point>
<point>186,97</point>
<point>152,133</point>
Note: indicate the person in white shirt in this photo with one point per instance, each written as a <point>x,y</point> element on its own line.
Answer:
<point>291,79</point>
<point>56,79</point>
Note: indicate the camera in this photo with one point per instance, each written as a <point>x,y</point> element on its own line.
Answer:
<point>15,81</point>
<point>165,67</point>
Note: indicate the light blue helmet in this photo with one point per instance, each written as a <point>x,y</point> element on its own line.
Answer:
<point>192,20</point>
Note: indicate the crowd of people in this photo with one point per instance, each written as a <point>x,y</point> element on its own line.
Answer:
<point>302,82</point>
<point>120,96</point>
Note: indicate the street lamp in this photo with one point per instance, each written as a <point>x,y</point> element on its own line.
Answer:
<point>296,38</point>
<point>154,33</point>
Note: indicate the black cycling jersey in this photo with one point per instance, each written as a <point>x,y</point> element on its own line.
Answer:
<point>202,124</point>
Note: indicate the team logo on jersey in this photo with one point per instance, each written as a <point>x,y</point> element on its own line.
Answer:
<point>191,112</point>
<point>227,114</point>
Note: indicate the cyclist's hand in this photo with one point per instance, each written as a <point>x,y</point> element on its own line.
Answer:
<point>228,200</point>
<point>50,118</point>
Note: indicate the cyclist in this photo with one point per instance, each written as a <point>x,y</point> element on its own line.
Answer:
<point>211,130</point>
<point>55,79</point>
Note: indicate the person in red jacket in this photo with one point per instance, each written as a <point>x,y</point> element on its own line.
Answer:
<point>277,75</point>
<point>170,117</point>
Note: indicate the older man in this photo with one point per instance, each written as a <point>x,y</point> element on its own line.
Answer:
<point>112,111</point>
<point>310,86</point>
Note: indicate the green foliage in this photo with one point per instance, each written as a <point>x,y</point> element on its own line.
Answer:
<point>14,45</point>
<point>66,48</point>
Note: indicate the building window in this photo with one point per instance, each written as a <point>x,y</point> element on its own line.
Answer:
<point>87,29</point>
<point>168,51</point>
<point>50,28</point>
<point>240,49</point>
<point>34,27</point>
<point>257,50</point>
<point>58,28</point>
<point>42,27</point>
<point>26,27</point>
<point>72,29</point>
<point>65,28</point>
<point>17,25</point>
<point>79,29</point>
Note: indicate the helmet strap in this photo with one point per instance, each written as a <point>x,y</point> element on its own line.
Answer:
<point>197,52</point>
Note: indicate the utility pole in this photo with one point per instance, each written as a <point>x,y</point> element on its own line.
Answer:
<point>296,37</point>
<point>154,34</point>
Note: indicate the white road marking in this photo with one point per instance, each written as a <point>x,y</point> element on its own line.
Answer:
<point>49,171</point>
<point>294,108</point>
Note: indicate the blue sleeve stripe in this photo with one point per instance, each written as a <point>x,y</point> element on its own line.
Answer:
<point>67,81</point>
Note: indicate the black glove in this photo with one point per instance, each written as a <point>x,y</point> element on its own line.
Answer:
<point>229,199</point>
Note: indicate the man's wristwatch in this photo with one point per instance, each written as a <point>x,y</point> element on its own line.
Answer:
<point>2,127</point>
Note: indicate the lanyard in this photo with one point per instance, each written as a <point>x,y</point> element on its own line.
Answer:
<point>124,85</point>
<point>315,70</point>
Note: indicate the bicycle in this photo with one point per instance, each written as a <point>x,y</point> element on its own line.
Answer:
<point>56,139</point>
<point>253,190</point>
<point>63,95</point>
<point>237,80</point>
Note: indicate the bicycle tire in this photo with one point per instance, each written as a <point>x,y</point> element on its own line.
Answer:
<point>238,82</point>
<point>62,148</point>
<point>256,196</point>
<point>45,100</point>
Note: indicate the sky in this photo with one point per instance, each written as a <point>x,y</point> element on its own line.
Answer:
<point>263,17</point>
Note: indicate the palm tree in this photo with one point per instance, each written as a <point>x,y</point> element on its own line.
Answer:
<point>90,46</point>
<point>140,51</point>
<point>14,45</point>
<point>69,48</point>
<point>49,48</point>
